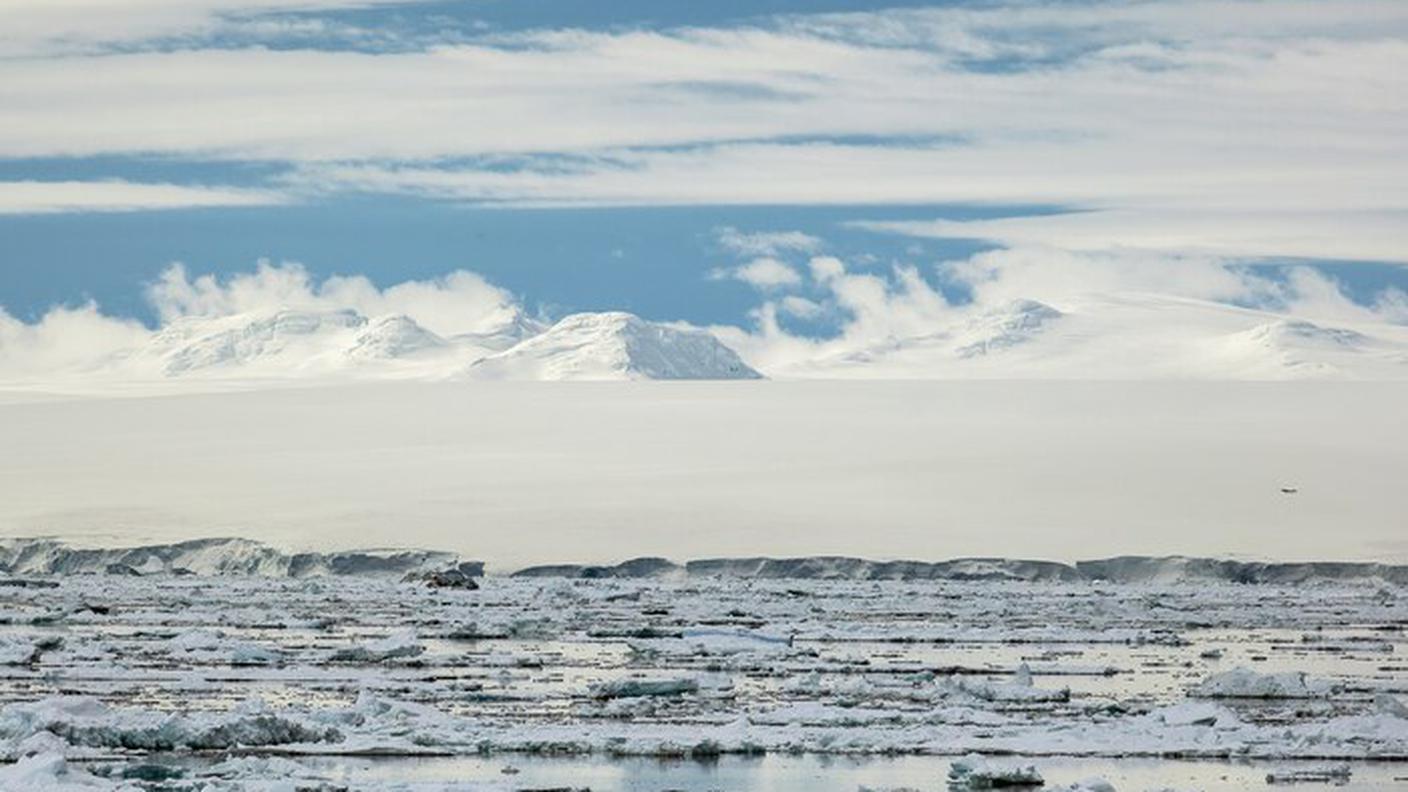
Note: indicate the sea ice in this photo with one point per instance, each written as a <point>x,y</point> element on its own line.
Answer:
<point>398,645</point>
<point>977,772</point>
<point>1245,683</point>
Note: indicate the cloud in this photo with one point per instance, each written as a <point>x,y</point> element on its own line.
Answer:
<point>52,27</point>
<point>761,273</point>
<point>1152,108</point>
<point>48,197</point>
<point>64,339</point>
<point>800,307</point>
<point>826,268</point>
<point>459,302</point>
<point>1328,233</point>
<point>1236,128</point>
<point>766,243</point>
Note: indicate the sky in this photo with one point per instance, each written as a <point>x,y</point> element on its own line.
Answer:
<point>690,161</point>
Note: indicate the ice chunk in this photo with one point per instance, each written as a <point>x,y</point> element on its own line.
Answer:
<point>1387,704</point>
<point>1087,785</point>
<point>87,722</point>
<point>977,772</point>
<point>214,647</point>
<point>1337,774</point>
<point>23,651</point>
<point>1020,690</point>
<point>1194,713</point>
<point>50,772</point>
<point>1246,683</point>
<point>715,640</point>
<point>402,644</point>
<point>631,688</point>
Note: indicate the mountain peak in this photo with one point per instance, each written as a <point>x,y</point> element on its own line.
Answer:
<point>243,338</point>
<point>615,345</point>
<point>393,336</point>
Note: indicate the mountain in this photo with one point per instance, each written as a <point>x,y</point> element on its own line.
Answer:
<point>614,346</point>
<point>295,337</point>
<point>391,337</point>
<point>1300,348</point>
<point>992,331</point>
<point>501,336</point>
<point>1120,336</point>
<point>1125,336</point>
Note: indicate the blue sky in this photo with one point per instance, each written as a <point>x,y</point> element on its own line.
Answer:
<point>586,155</point>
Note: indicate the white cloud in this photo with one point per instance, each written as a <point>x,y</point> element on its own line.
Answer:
<point>1329,233</point>
<point>49,27</point>
<point>800,307</point>
<point>762,273</point>
<point>1224,128</point>
<point>65,338</point>
<point>460,302</point>
<point>47,197</point>
<point>826,268</point>
<point>766,243</point>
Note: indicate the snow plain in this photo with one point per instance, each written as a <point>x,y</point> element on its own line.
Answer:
<point>528,473</point>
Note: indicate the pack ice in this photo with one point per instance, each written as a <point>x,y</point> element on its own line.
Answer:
<point>233,664</point>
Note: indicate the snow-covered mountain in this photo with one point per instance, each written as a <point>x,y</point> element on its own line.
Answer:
<point>307,345</point>
<point>614,346</point>
<point>1121,336</point>
<point>1126,336</point>
<point>392,337</point>
<point>295,338</point>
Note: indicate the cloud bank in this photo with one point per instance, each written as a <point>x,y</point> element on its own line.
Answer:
<point>1244,128</point>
